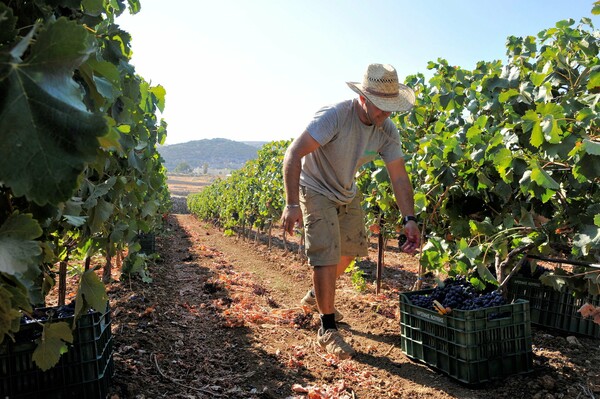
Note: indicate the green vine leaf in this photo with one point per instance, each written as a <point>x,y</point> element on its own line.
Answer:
<point>532,121</point>
<point>52,344</point>
<point>552,132</point>
<point>99,214</point>
<point>589,166</point>
<point>588,237</point>
<point>542,178</point>
<point>18,294</point>
<point>134,6</point>
<point>47,132</point>
<point>8,23</point>
<point>594,80</point>
<point>160,93</point>
<point>9,315</point>
<point>93,7</point>
<point>91,293</point>
<point>503,159</point>
<point>18,250</point>
<point>104,81</point>
<point>591,147</point>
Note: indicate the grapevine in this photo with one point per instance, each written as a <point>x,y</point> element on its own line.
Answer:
<point>252,196</point>
<point>94,181</point>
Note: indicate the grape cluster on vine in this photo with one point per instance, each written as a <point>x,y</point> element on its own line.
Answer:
<point>458,293</point>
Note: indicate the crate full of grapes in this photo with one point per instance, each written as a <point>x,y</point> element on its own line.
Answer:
<point>472,337</point>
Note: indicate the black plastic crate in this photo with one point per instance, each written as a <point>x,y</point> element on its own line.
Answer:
<point>84,372</point>
<point>471,346</point>
<point>555,310</point>
<point>147,243</point>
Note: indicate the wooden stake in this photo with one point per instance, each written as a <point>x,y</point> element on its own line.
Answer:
<point>379,259</point>
<point>62,282</point>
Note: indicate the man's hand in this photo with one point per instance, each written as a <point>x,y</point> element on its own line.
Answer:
<point>413,238</point>
<point>290,218</point>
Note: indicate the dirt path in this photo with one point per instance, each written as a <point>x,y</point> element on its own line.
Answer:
<point>221,320</point>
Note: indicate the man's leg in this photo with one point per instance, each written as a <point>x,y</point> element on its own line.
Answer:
<point>322,238</point>
<point>322,243</point>
<point>324,279</point>
<point>310,298</point>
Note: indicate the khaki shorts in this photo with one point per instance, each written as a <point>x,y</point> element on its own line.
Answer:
<point>332,230</point>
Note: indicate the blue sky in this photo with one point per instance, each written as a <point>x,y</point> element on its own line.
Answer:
<point>258,70</point>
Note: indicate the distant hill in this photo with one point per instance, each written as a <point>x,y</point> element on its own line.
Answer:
<point>217,153</point>
<point>257,144</point>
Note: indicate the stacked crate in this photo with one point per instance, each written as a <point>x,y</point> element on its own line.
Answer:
<point>84,372</point>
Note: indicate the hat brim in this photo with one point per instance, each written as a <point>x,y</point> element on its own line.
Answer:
<point>403,102</point>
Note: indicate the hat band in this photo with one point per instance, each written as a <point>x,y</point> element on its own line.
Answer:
<point>380,94</point>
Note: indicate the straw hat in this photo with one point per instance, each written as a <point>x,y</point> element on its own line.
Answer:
<point>380,85</point>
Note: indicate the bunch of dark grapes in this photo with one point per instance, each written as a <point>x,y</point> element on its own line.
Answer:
<point>44,314</point>
<point>458,293</point>
<point>402,240</point>
<point>422,301</point>
<point>487,300</point>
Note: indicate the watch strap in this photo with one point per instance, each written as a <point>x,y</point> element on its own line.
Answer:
<point>407,219</point>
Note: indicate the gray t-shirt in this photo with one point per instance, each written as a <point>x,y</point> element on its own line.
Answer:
<point>346,144</point>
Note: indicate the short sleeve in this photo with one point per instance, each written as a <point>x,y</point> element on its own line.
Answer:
<point>390,148</point>
<point>324,125</point>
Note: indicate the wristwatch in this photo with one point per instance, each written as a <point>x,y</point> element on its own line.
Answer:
<point>407,219</point>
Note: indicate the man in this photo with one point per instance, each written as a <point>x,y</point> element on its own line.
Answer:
<point>319,171</point>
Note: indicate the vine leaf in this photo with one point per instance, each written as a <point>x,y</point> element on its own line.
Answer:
<point>46,131</point>
<point>591,147</point>
<point>18,250</point>
<point>587,238</point>
<point>9,316</point>
<point>103,80</point>
<point>18,294</point>
<point>594,80</point>
<point>589,165</point>
<point>8,23</point>
<point>93,7</point>
<point>99,214</point>
<point>542,178</point>
<point>52,344</point>
<point>544,124</point>
<point>91,292</point>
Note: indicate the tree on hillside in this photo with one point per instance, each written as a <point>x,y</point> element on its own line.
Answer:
<point>183,167</point>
